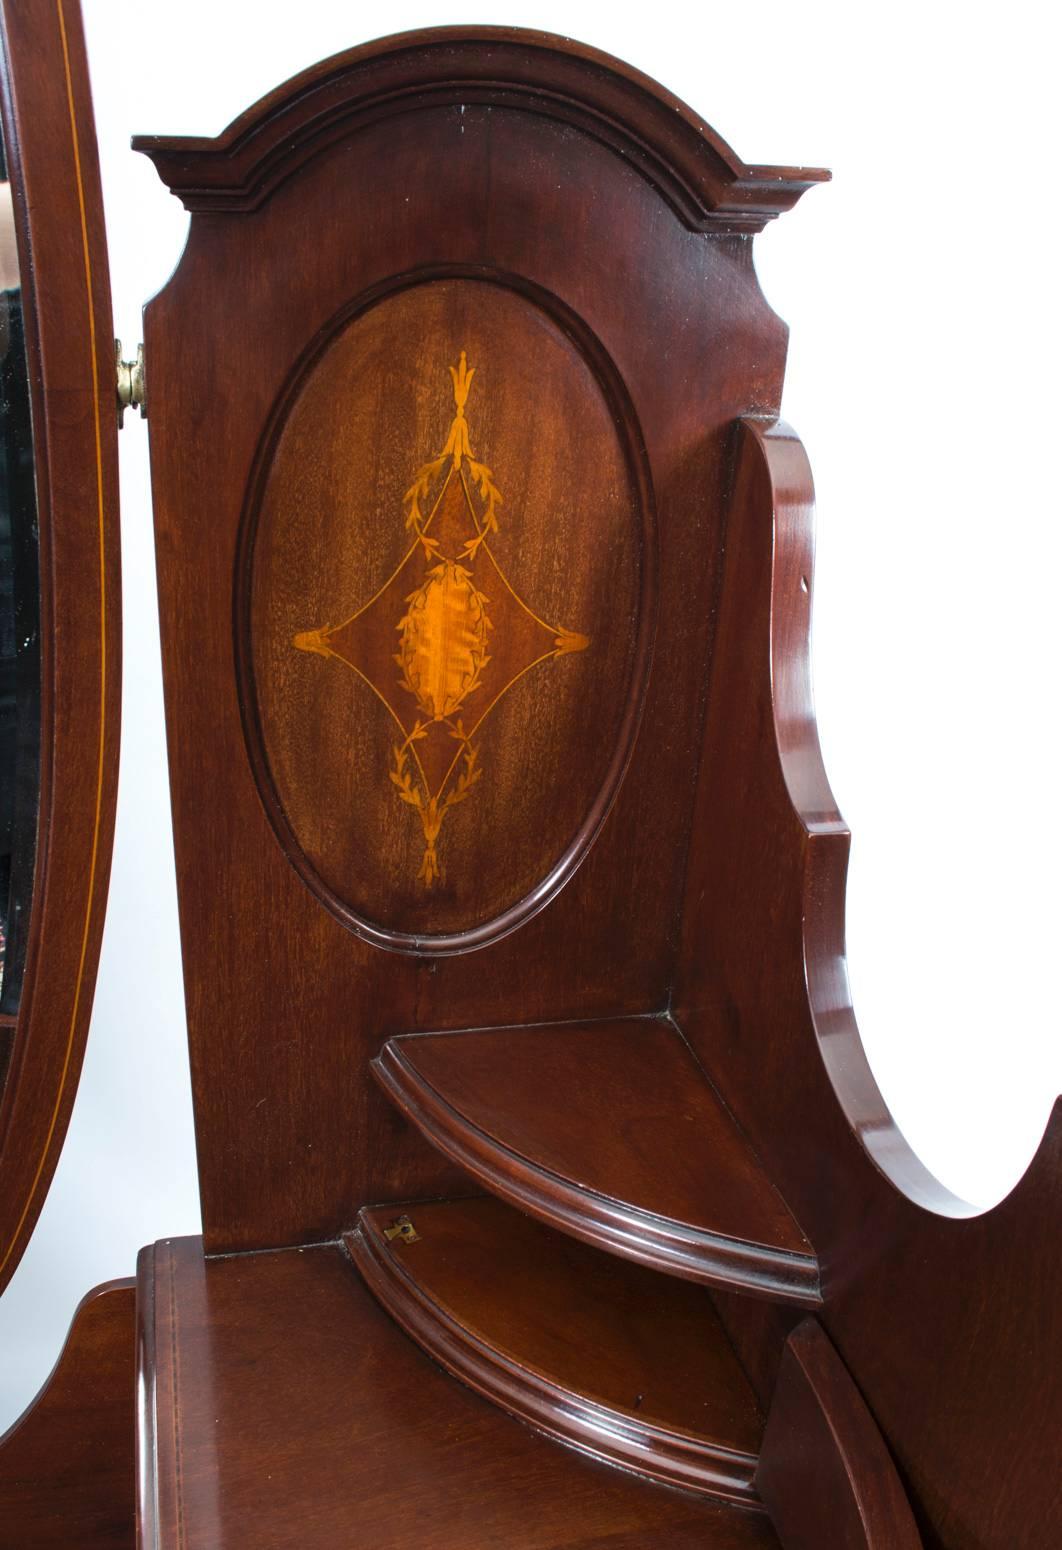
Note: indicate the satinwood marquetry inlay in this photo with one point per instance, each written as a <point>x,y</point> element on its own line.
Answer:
<point>465,636</point>
<point>444,608</point>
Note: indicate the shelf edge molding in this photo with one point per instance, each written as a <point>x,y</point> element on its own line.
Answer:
<point>619,1227</point>
<point>666,1455</point>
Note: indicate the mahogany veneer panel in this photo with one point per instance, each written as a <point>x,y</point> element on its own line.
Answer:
<point>291,1412</point>
<point>66,1466</point>
<point>625,1363</point>
<point>543,210</point>
<point>611,1131</point>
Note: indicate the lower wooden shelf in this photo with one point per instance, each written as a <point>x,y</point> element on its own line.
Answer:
<point>281,1408</point>
<point>621,1362</point>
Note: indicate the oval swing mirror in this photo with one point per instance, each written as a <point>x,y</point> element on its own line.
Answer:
<point>59,594</point>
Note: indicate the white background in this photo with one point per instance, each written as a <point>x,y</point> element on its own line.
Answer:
<point>921,290</point>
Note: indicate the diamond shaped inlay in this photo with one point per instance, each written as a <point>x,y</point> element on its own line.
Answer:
<point>463,633</point>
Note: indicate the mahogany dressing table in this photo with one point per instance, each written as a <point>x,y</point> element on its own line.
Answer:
<point>549,1201</point>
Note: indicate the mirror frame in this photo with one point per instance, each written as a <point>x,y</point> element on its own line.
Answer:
<point>50,140</point>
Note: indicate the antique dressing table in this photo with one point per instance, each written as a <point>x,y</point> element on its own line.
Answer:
<point>549,1201</point>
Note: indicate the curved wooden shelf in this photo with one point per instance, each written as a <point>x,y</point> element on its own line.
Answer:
<point>611,1132</point>
<point>615,1360</point>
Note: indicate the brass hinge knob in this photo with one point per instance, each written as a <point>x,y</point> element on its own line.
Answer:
<point>131,382</point>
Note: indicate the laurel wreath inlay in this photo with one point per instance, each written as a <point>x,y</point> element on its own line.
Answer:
<point>444,658</point>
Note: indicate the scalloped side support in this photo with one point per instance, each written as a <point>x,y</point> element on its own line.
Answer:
<point>938,1312</point>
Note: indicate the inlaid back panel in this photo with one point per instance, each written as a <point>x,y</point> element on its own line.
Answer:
<point>442,601</point>
<point>442,396</point>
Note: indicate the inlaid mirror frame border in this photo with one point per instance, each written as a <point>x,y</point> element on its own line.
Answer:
<point>49,135</point>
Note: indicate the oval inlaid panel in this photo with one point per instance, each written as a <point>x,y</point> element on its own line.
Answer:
<point>447,612</point>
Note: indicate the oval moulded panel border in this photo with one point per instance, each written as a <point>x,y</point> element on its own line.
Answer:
<point>624,425</point>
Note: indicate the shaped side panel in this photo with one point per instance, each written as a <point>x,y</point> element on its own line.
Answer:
<point>945,1319</point>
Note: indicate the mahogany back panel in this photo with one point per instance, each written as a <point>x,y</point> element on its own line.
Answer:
<point>362,548</point>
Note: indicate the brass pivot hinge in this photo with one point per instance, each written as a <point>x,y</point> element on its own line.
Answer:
<point>402,1228</point>
<point>131,382</point>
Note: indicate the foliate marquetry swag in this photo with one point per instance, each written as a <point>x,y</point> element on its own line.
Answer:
<point>460,648</point>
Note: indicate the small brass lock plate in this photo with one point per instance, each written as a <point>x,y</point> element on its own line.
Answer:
<point>402,1228</point>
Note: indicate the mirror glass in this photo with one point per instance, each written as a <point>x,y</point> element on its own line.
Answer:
<point>19,631</point>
